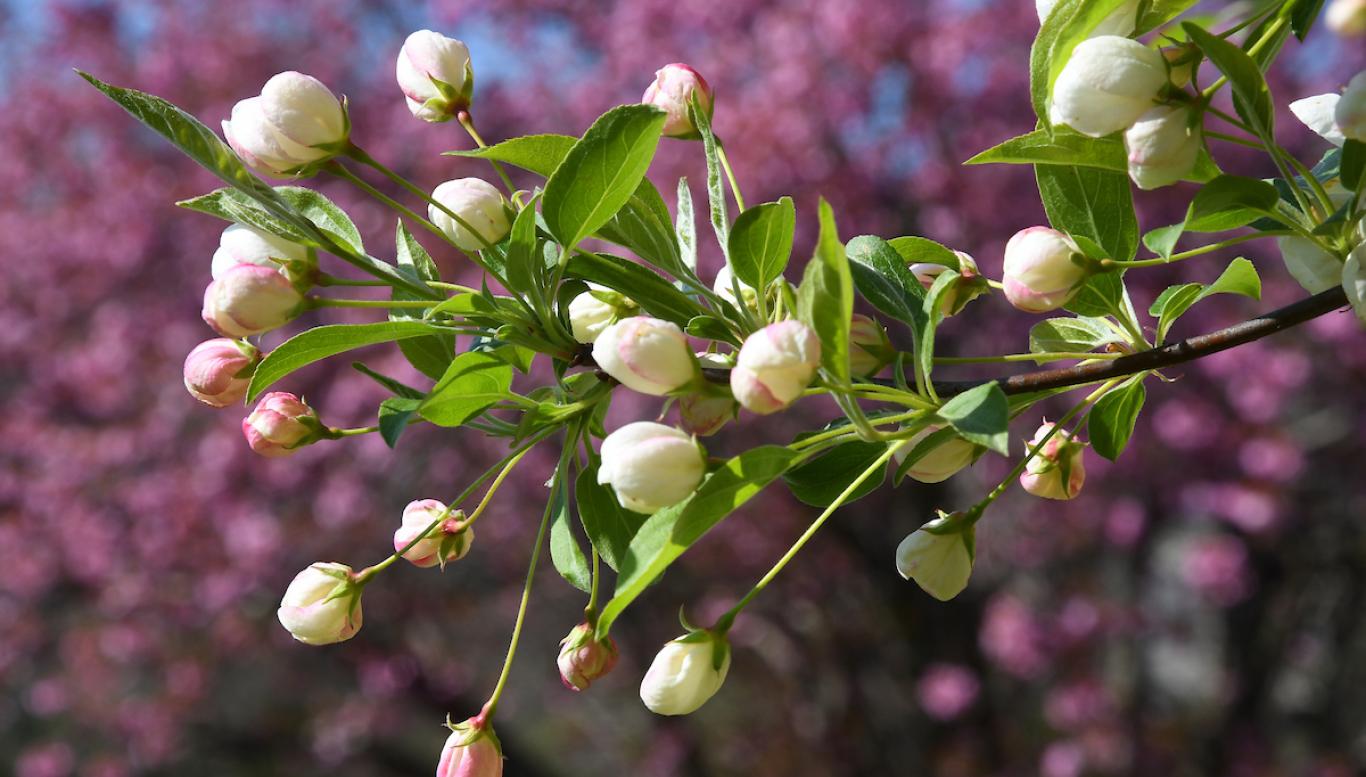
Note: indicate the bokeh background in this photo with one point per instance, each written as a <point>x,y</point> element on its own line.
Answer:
<point>1197,610</point>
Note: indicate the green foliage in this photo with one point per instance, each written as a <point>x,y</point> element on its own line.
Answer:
<point>761,242</point>
<point>321,342</point>
<point>565,553</point>
<point>1240,277</point>
<point>1225,203</point>
<point>1091,203</point>
<point>431,355</point>
<point>1111,421</point>
<point>879,269</point>
<point>610,526</point>
<point>1068,24</point>
<point>1072,335</point>
<point>1251,97</point>
<point>655,295</point>
<point>825,300</point>
<point>1353,164</point>
<point>539,154</point>
<point>474,381</point>
<point>981,416</point>
<point>819,481</point>
<point>716,191</point>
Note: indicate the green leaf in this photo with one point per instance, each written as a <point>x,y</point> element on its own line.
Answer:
<point>540,154</point>
<point>643,226</point>
<point>1095,204</point>
<point>686,227</point>
<point>565,552</point>
<point>237,206</point>
<point>920,250</point>
<point>1353,164</point>
<point>1069,23</point>
<point>1251,97</point>
<point>474,381</point>
<point>1240,277</point>
<point>1303,15</point>
<point>761,242</point>
<point>932,309</point>
<point>880,270</point>
<point>671,531</point>
<point>1101,295</point>
<point>655,295</point>
<point>1159,12</point>
<point>825,300</point>
<point>820,481</point>
<point>1227,202</point>
<point>429,355</point>
<point>394,414</point>
<point>980,415</point>
<point>610,526</point>
<point>525,266</point>
<point>1111,422</point>
<point>1071,335</point>
<point>321,342</point>
<point>602,170</point>
<point>716,191</point>
<point>1062,147</point>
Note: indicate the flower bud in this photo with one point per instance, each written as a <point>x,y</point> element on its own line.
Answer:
<point>479,205</point>
<point>280,425</point>
<point>1107,83</point>
<point>1346,17</point>
<point>296,122</point>
<point>1039,273</point>
<point>322,605</point>
<point>1354,281</point>
<point>725,285</point>
<point>775,366</point>
<point>441,544</point>
<point>1057,472</point>
<point>1120,21</point>
<point>1181,63</point>
<point>703,413</point>
<point>869,348</point>
<point>1312,267</point>
<point>584,659</point>
<point>241,244</point>
<point>250,299</point>
<point>435,75</point>
<point>686,673</point>
<point>596,309</point>
<point>651,466</point>
<point>969,286</point>
<point>218,371</point>
<point>938,556</point>
<point>673,86</point>
<point>1162,146</point>
<point>646,355</point>
<point>472,750</point>
<point>1350,114</point>
<point>940,463</point>
<point>1318,114</point>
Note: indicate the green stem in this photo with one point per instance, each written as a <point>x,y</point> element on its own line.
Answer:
<point>453,287</point>
<point>324,279</point>
<point>590,611</point>
<point>730,176</point>
<point>1156,261</point>
<point>1233,139</point>
<point>358,154</point>
<point>329,302</point>
<point>494,486</point>
<point>353,432</point>
<point>467,121</point>
<point>1025,357</point>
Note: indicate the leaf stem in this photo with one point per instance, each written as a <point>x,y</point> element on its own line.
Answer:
<point>1052,356</point>
<point>331,302</point>
<point>467,121</point>
<point>1205,249</point>
<point>730,175</point>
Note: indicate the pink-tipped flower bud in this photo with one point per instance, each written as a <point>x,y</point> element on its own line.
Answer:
<point>218,371</point>
<point>479,205</point>
<point>441,543</point>
<point>703,413</point>
<point>584,659</point>
<point>941,462</point>
<point>1163,146</point>
<point>295,124</point>
<point>1057,471</point>
<point>1042,270</point>
<point>280,425</point>
<point>1346,18</point>
<point>241,244</point>
<point>435,75</point>
<point>250,299</point>
<point>646,354</point>
<point>322,605</point>
<point>775,366</point>
<point>472,750</point>
<point>673,87</point>
<point>651,466</point>
<point>969,285</point>
<point>869,348</point>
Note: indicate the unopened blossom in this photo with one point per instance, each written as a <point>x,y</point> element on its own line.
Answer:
<point>673,87</point>
<point>441,544</point>
<point>249,299</point>
<point>217,372</point>
<point>1042,270</point>
<point>594,310</point>
<point>1162,146</point>
<point>241,244</point>
<point>479,205</point>
<point>1350,113</point>
<point>322,604</point>
<point>1310,265</point>
<point>296,122</point>
<point>584,658</point>
<point>968,286</point>
<point>435,75</point>
<point>1318,113</point>
<point>1181,62</point>
<point>941,462</point>
<point>280,425</point>
<point>1057,471</point>
<point>646,354</point>
<point>869,348</point>
<point>704,412</point>
<point>1354,281</point>
<point>775,366</point>
<point>938,556</point>
<point>1106,85</point>
<point>1120,21</point>
<point>472,750</point>
<point>726,284</point>
<point>651,466</point>
<point>686,673</point>
<point>1346,17</point>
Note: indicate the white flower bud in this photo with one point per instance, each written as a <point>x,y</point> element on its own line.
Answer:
<point>1316,113</point>
<point>249,300</point>
<point>241,244</point>
<point>725,285</point>
<point>673,86</point>
<point>434,73</point>
<point>775,366</point>
<point>1107,83</point>
<point>938,556</point>
<point>1058,471</point>
<point>322,605</point>
<point>1162,146</point>
<point>651,466</point>
<point>295,122</point>
<point>1312,267</point>
<point>1120,21</point>
<point>1346,18</point>
<point>594,310</point>
<point>685,674</point>
<point>441,544</point>
<point>479,204</point>
<point>1350,113</point>
<point>1354,281</point>
<point>942,462</point>
<point>646,355</point>
<point>1039,273</point>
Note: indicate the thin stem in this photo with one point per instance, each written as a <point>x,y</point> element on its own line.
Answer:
<point>342,172</point>
<point>330,302</point>
<point>324,279</point>
<point>467,121</point>
<point>358,154</point>
<point>1025,357</point>
<point>1233,139</point>
<point>453,287</point>
<point>730,176</point>
<point>1308,175</point>
<point>353,432</point>
<point>493,487</point>
<point>590,611</point>
<point>1205,249</point>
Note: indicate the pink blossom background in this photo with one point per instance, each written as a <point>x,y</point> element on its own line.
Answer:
<point>1196,611</point>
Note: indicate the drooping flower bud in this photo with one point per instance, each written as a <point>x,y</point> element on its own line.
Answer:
<point>942,462</point>
<point>651,466</point>
<point>646,354</point>
<point>1312,267</point>
<point>686,673</point>
<point>1040,273</point>
<point>479,204</point>
<point>1318,114</point>
<point>280,425</point>
<point>869,348</point>
<point>472,750</point>
<point>1162,146</point>
<point>250,299</point>
<point>241,244</point>
<point>938,556</point>
<point>596,309</point>
<point>435,75</point>
<point>1354,281</point>
<point>969,286</point>
<point>1120,21</point>
<point>703,413</point>
<point>1346,17</point>
<point>726,284</point>
<point>1350,113</point>
<point>322,605</point>
<point>218,371</point>
<point>775,366</point>
<point>673,87</point>
<point>1058,471</point>
<point>440,544</point>
<point>584,659</point>
<point>1107,83</point>
<point>294,124</point>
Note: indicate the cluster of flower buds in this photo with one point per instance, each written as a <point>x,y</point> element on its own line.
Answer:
<point>774,367</point>
<point>294,125</point>
<point>432,535</point>
<point>435,75</point>
<point>686,673</point>
<point>472,213</point>
<point>1057,470</point>
<point>1043,269</point>
<point>281,424</point>
<point>585,658</point>
<point>651,466</point>
<point>938,556</point>
<point>322,604</point>
<point>968,286</point>
<point>673,88</point>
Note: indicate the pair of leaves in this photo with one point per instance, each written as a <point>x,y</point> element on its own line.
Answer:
<point>1227,202</point>
<point>1240,277</point>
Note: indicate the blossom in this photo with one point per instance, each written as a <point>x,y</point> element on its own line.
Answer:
<point>217,372</point>
<point>280,425</point>
<point>686,673</point>
<point>1057,470</point>
<point>1041,271</point>
<point>441,544</point>
<point>322,604</point>
<point>775,366</point>
<point>250,299</point>
<point>295,123</point>
<point>1106,85</point>
<point>651,466</point>
<point>1163,146</point>
<point>479,205</point>
<point>673,87</point>
<point>434,73</point>
<point>584,658</point>
<point>646,354</point>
